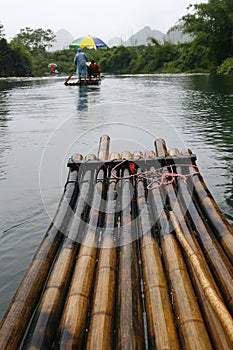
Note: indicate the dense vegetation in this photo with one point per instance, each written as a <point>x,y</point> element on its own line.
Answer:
<point>211,50</point>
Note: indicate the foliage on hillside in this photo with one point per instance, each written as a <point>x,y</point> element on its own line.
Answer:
<point>210,24</point>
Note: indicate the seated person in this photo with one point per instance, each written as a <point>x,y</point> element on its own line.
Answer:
<point>93,70</point>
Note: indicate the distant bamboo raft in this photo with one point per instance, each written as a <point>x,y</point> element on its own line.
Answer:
<point>138,256</point>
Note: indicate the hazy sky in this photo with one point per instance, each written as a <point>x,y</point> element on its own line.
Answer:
<point>105,19</point>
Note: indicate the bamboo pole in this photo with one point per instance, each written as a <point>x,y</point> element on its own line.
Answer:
<point>21,308</point>
<point>69,77</point>
<point>209,207</point>
<point>73,323</point>
<point>219,339</point>
<point>72,326</point>
<point>210,292</point>
<point>149,154</point>
<point>103,151</point>
<point>100,335</point>
<point>130,329</point>
<point>192,331</point>
<point>160,148</point>
<point>46,319</point>
<point>161,329</point>
<point>221,268</point>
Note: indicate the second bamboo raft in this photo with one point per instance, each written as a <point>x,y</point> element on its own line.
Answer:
<point>138,256</point>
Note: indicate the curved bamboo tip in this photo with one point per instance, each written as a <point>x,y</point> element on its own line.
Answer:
<point>103,151</point>
<point>186,151</point>
<point>173,152</point>
<point>160,147</point>
<point>77,157</point>
<point>90,156</point>
<point>115,155</point>
<point>104,138</point>
<point>150,154</point>
<point>138,155</point>
<point>126,155</point>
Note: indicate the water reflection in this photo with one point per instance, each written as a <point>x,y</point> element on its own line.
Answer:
<point>82,103</point>
<point>4,119</point>
<point>208,102</point>
<point>87,96</point>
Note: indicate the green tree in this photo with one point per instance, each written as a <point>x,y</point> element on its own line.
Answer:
<point>36,40</point>
<point>192,58</point>
<point>211,24</point>
<point>13,62</point>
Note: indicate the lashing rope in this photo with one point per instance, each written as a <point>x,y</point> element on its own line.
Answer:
<point>160,176</point>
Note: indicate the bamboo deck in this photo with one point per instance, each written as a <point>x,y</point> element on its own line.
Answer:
<point>129,262</point>
<point>82,82</point>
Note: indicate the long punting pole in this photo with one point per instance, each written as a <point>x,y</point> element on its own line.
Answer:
<point>21,308</point>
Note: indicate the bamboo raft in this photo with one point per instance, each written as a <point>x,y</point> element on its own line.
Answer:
<point>82,82</point>
<point>138,256</point>
<point>89,81</point>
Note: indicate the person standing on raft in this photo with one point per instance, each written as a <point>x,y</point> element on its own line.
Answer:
<point>80,60</point>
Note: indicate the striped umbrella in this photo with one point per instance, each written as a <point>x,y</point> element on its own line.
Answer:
<point>88,41</point>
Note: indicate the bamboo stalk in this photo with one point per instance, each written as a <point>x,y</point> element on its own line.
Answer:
<point>149,154</point>
<point>103,151</point>
<point>220,265</point>
<point>161,330</point>
<point>160,147</point>
<point>73,323</point>
<point>211,319</point>
<point>46,318</point>
<point>100,335</point>
<point>130,334</point>
<point>209,207</point>
<point>192,331</point>
<point>21,308</point>
<point>219,339</point>
<point>49,309</point>
<point>210,292</point>
<point>126,155</point>
<point>71,332</point>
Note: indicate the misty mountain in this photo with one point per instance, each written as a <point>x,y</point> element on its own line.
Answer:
<point>141,37</point>
<point>63,39</point>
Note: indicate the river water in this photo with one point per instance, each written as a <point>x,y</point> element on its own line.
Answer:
<point>43,122</point>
